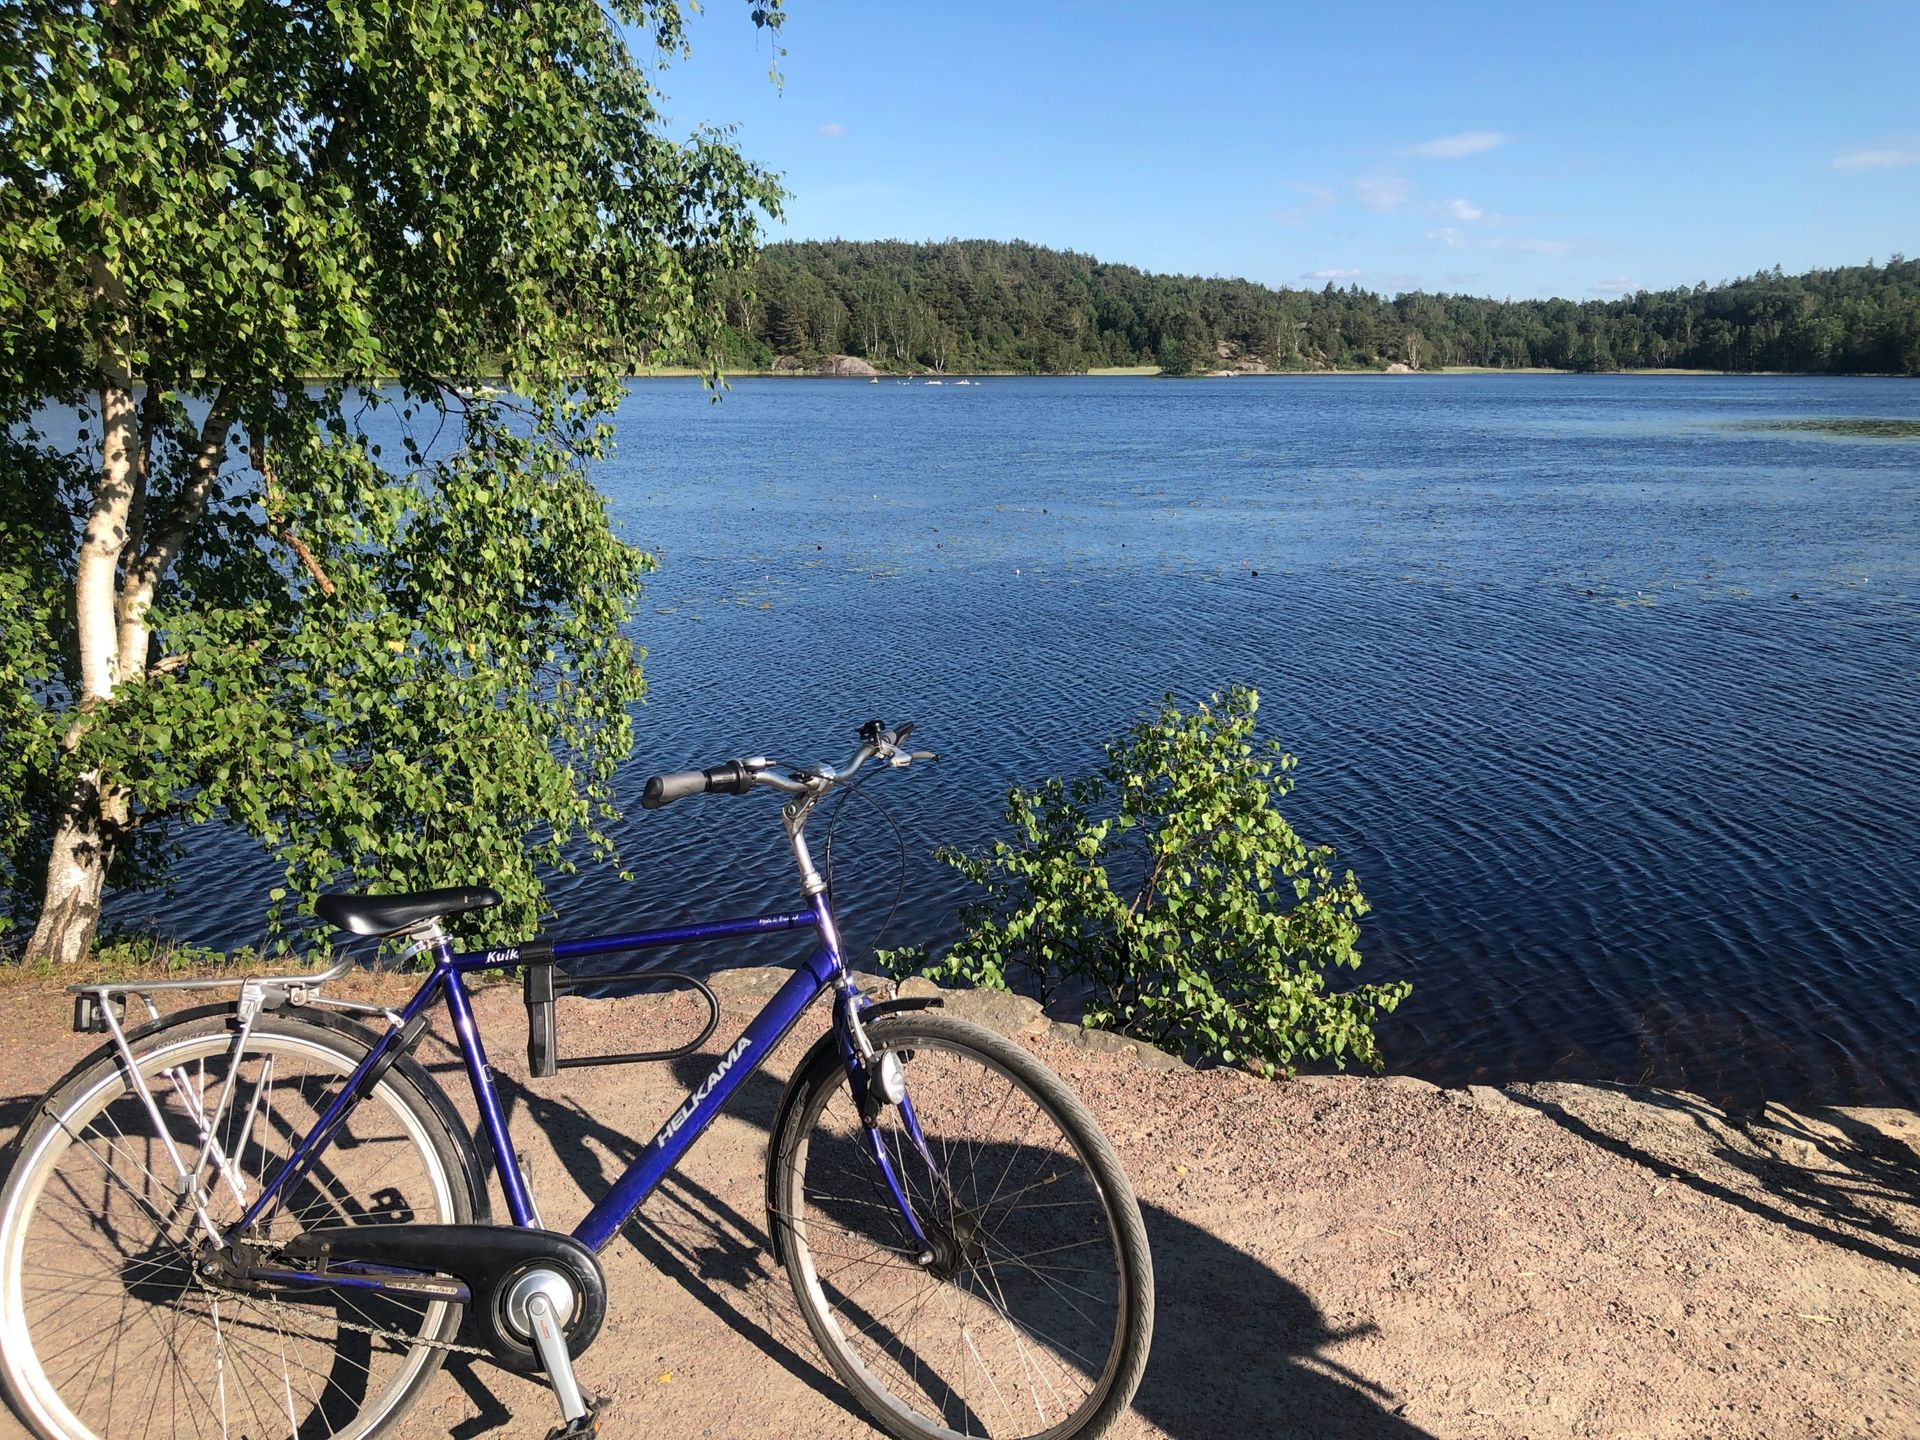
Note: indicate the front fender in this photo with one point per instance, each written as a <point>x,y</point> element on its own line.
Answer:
<point>823,1056</point>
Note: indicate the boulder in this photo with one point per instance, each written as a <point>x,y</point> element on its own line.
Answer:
<point>845,367</point>
<point>787,365</point>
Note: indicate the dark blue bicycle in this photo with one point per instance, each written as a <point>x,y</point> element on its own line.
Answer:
<point>262,1217</point>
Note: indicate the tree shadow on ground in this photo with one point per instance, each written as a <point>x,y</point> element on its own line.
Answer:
<point>1854,1185</point>
<point>15,1113</point>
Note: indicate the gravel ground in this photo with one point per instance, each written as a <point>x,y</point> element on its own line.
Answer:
<point>1334,1256</point>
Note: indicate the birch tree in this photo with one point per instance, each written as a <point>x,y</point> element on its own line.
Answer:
<point>376,619</point>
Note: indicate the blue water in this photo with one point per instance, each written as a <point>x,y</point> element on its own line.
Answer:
<point>1612,703</point>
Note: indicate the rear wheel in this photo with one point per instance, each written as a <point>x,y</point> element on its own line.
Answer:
<point>112,1325</point>
<point>1030,1311</point>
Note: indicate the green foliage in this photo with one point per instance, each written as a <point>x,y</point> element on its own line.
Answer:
<point>398,664</point>
<point>1171,887</point>
<point>1176,351</point>
<point>452,714</point>
<point>37,535</point>
<point>987,305</point>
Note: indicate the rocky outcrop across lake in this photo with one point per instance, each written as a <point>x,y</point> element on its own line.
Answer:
<point>845,367</point>
<point>832,367</point>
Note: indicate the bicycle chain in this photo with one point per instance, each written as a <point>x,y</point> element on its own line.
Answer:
<point>452,1347</point>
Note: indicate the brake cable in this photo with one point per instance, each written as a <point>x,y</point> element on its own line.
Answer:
<point>900,841</point>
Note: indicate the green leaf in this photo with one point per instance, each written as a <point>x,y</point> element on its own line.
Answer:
<point>1206,954</point>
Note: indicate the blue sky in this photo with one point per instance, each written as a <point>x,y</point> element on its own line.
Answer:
<point>1520,150</point>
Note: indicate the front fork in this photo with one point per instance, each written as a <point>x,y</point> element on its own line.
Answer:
<point>873,1084</point>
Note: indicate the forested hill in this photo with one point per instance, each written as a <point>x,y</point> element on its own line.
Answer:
<point>991,305</point>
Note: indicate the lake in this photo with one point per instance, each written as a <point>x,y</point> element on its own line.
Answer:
<point>1608,693</point>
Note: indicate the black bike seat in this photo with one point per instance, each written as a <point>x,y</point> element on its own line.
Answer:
<point>384,914</point>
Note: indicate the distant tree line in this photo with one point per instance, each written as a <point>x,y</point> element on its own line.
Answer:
<point>992,305</point>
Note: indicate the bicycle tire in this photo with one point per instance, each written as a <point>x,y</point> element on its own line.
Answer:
<point>127,1265</point>
<point>822,1202</point>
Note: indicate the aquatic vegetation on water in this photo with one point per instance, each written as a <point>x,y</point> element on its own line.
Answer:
<point>1869,427</point>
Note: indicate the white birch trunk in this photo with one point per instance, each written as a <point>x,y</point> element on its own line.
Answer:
<point>90,823</point>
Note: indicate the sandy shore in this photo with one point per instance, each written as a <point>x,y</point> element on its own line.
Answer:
<point>1335,1257</point>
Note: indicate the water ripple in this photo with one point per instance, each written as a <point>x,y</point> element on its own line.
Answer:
<point>1612,708</point>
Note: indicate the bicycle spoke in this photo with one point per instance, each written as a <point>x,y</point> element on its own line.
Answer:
<point>1021,1329</point>
<point>124,1331</point>
<point>1052,1342</point>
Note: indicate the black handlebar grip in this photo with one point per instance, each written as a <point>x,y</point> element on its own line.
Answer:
<point>665,789</point>
<point>732,778</point>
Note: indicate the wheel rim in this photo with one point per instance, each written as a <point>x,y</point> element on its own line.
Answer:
<point>1015,1327</point>
<point>111,1327</point>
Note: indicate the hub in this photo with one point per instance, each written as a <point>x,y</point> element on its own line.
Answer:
<point>958,1244</point>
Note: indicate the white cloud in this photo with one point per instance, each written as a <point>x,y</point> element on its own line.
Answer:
<point>1318,199</point>
<point>1381,192</point>
<point>1462,210</point>
<point>833,131</point>
<point>1449,236</point>
<point>1884,157</point>
<point>1621,286</point>
<point>1335,274</point>
<point>1458,147</point>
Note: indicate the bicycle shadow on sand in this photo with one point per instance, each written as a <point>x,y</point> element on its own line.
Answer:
<point>1238,1349</point>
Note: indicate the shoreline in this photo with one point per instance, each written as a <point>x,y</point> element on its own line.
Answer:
<point>1005,1012</point>
<point>1148,372</point>
<point>1383,1258</point>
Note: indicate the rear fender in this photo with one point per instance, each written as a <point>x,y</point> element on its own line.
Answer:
<point>414,1072</point>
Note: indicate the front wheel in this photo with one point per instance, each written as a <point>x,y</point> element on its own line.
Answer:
<point>1029,1309</point>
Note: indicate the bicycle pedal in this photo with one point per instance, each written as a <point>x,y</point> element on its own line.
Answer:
<point>588,1425</point>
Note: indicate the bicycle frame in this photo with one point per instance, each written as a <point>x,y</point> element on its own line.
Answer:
<point>821,969</point>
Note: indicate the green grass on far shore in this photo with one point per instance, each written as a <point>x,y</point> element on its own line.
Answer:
<point>1869,427</point>
<point>693,372</point>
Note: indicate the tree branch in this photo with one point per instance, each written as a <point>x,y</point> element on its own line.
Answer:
<point>270,481</point>
<point>143,467</point>
<point>104,540</point>
<point>299,547</point>
<point>188,506</point>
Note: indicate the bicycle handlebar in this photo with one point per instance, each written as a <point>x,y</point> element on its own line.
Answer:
<point>737,777</point>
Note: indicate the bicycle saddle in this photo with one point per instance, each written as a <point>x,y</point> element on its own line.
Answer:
<point>384,914</point>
